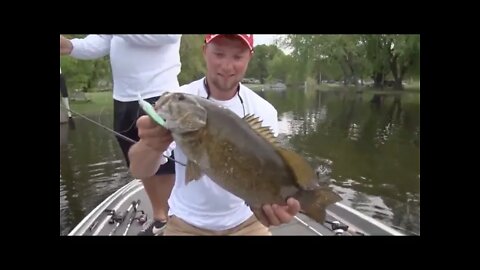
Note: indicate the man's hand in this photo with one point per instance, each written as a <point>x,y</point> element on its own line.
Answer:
<point>147,154</point>
<point>66,46</point>
<point>274,215</point>
<point>152,134</point>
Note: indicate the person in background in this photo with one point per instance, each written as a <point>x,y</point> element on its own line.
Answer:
<point>142,66</point>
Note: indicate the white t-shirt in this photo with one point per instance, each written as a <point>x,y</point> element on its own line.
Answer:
<point>202,202</point>
<point>141,64</point>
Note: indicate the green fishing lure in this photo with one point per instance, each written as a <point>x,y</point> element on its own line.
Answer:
<point>150,111</point>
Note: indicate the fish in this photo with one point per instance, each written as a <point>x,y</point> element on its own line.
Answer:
<point>241,155</point>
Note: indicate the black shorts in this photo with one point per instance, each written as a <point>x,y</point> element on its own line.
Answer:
<point>125,119</point>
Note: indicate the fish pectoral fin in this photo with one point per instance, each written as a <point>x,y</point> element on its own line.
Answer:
<point>315,202</point>
<point>304,174</point>
<point>192,172</point>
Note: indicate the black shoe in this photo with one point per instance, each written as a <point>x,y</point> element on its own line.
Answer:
<point>155,228</point>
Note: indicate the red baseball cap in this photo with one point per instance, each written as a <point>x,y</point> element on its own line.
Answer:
<point>247,38</point>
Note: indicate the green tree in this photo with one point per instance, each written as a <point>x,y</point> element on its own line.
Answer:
<point>193,65</point>
<point>85,74</point>
<point>325,56</point>
<point>280,68</point>
<point>404,55</point>
<point>355,57</point>
<point>258,67</point>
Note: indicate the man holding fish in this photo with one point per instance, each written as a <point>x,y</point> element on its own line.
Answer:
<point>232,177</point>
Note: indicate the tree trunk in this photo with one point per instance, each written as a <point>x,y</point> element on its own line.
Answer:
<point>350,77</point>
<point>343,66</point>
<point>398,84</point>
<point>397,77</point>
<point>378,80</point>
<point>353,77</point>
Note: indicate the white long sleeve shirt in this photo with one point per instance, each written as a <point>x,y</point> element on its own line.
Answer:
<point>145,64</point>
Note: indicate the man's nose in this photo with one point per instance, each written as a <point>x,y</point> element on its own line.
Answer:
<point>227,66</point>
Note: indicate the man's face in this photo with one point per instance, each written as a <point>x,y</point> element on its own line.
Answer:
<point>227,60</point>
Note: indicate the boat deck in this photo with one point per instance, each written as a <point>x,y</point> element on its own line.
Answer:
<point>97,222</point>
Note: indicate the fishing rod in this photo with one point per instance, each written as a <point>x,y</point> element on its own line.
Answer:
<point>134,205</point>
<point>120,218</point>
<point>141,219</point>
<point>114,132</point>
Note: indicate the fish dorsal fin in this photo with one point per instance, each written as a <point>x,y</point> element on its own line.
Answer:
<point>303,172</point>
<point>265,132</point>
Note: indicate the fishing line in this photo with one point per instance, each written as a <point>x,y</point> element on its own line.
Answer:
<point>133,121</point>
<point>114,132</point>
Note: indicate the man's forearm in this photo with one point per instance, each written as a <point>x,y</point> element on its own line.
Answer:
<point>90,47</point>
<point>144,160</point>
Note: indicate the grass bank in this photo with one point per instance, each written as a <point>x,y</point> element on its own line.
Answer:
<point>96,102</point>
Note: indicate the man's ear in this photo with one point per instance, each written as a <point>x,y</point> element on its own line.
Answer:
<point>204,51</point>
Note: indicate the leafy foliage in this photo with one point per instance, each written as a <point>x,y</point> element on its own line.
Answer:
<point>350,59</point>
<point>191,55</point>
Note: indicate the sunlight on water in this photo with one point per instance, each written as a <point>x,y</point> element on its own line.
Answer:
<point>99,164</point>
<point>286,123</point>
<point>354,132</point>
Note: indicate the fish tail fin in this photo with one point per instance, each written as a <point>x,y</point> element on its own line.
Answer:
<point>315,202</point>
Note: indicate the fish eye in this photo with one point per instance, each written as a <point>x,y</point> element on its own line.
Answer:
<point>181,97</point>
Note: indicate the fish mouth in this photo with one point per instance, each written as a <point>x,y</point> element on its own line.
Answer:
<point>162,101</point>
<point>181,112</point>
<point>161,106</point>
<point>167,103</point>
